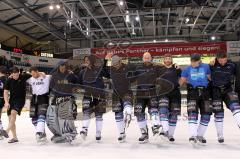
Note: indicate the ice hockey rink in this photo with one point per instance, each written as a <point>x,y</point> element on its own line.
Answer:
<point>109,148</point>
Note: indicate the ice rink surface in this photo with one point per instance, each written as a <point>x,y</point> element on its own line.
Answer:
<point>109,148</point>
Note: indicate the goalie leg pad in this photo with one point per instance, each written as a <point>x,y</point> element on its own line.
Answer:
<point>52,120</point>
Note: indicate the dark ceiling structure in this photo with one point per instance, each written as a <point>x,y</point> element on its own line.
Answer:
<point>58,26</point>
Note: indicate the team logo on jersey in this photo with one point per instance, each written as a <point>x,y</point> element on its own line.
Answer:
<point>38,83</point>
<point>197,74</point>
<point>62,81</point>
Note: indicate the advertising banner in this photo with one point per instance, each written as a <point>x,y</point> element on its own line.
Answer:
<point>161,49</point>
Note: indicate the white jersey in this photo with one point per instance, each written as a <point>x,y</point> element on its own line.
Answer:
<point>40,85</point>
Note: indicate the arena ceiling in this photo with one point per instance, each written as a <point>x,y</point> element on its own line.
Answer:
<point>32,24</point>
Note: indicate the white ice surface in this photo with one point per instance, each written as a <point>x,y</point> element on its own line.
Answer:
<point>109,148</point>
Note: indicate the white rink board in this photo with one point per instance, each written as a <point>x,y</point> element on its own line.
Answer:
<point>111,149</point>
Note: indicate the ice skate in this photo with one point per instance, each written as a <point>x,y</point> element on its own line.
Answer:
<point>144,138</point>
<point>41,137</point>
<point>171,139</point>
<point>221,139</point>
<point>193,141</point>
<point>122,138</point>
<point>83,135</point>
<point>201,140</point>
<point>98,136</point>
<point>155,131</point>
<point>164,136</point>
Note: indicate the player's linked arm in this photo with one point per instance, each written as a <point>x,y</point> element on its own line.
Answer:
<point>182,81</point>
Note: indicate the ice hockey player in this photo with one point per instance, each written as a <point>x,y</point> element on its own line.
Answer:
<point>145,92</point>
<point>170,103</point>
<point>223,73</point>
<point>94,100</point>
<point>122,95</point>
<point>62,110</point>
<point>197,77</point>
<point>39,102</point>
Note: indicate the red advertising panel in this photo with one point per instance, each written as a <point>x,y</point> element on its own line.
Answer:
<point>161,49</point>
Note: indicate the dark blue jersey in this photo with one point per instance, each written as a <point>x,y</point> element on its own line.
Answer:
<point>119,76</point>
<point>222,75</point>
<point>146,75</point>
<point>172,75</point>
<point>62,83</point>
<point>92,77</point>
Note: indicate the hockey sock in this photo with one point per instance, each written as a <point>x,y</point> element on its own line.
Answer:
<point>154,116</point>
<point>154,119</point>
<point>41,123</point>
<point>236,116</point>
<point>193,123</point>
<point>164,118</point>
<point>85,122</point>
<point>142,123</point>
<point>172,124</point>
<point>205,118</point>
<point>218,119</point>
<point>99,124</point>
<point>1,126</point>
<point>127,108</point>
<point>235,108</point>
<point>119,122</point>
<point>85,125</point>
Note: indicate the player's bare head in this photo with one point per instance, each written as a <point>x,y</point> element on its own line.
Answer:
<point>222,58</point>
<point>195,60</point>
<point>147,57</point>
<point>167,60</point>
<point>116,61</point>
<point>15,72</point>
<point>3,70</point>
<point>34,72</point>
